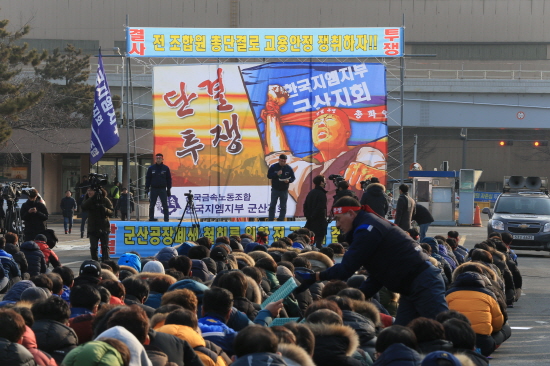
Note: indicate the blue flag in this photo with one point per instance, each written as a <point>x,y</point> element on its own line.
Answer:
<point>104,127</point>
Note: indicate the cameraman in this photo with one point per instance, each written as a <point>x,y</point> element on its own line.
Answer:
<point>99,209</point>
<point>34,213</point>
<point>343,191</point>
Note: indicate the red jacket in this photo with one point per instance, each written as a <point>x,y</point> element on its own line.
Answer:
<point>29,342</point>
<point>49,254</point>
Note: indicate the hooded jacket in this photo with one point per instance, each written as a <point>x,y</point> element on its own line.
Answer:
<point>447,271</point>
<point>95,353</point>
<point>177,350</point>
<point>29,342</point>
<point>294,355</point>
<point>195,340</point>
<point>9,264</point>
<point>35,258</point>
<point>130,260</point>
<point>375,196</point>
<point>138,355</point>
<point>469,296</point>
<point>364,328</point>
<point>165,254</point>
<point>443,252</point>
<point>334,345</point>
<point>260,359</point>
<point>399,355</point>
<point>17,256</point>
<point>54,338</point>
<point>200,270</point>
<point>15,354</point>
<point>14,294</point>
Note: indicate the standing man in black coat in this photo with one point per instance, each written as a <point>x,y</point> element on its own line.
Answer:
<point>405,208</point>
<point>99,209</point>
<point>34,213</point>
<point>315,210</point>
<point>423,218</point>
<point>281,175</point>
<point>159,180</point>
<point>375,196</point>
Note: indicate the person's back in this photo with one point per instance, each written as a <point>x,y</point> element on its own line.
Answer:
<point>35,258</point>
<point>405,208</point>
<point>217,304</point>
<point>375,197</point>
<point>257,345</point>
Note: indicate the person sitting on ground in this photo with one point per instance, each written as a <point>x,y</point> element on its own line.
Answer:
<point>67,276</point>
<point>49,254</point>
<point>236,283</point>
<point>85,300</point>
<point>12,247</point>
<point>12,328</point>
<point>53,336</point>
<point>430,335</point>
<point>183,324</point>
<point>104,351</point>
<point>470,296</point>
<point>11,269</point>
<point>396,345</point>
<point>137,291</point>
<point>463,338</point>
<point>35,258</point>
<point>256,345</point>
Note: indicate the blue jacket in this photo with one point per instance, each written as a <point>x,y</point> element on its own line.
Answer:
<point>195,286</point>
<point>79,311</point>
<point>153,300</point>
<point>399,355</point>
<point>11,269</point>
<point>288,173</point>
<point>390,256</point>
<point>14,293</point>
<point>158,176</point>
<point>216,331</point>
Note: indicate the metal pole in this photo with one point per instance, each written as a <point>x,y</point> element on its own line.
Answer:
<point>125,62</point>
<point>464,136</point>
<point>415,147</point>
<point>402,89</point>
<point>135,139</point>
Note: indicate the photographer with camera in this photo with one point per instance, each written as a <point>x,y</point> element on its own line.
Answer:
<point>34,213</point>
<point>158,178</point>
<point>99,209</point>
<point>375,197</point>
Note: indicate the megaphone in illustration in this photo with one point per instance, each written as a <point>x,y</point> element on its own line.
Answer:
<point>533,182</point>
<point>516,181</point>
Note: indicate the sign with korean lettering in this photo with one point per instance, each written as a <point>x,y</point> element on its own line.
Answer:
<point>147,238</point>
<point>264,42</point>
<point>486,196</point>
<point>220,127</point>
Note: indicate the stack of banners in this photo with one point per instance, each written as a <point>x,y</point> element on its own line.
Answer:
<point>147,238</point>
<point>220,127</point>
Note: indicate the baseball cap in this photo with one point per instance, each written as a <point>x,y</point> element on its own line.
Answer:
<point>90,268</point>
<point>283,156</point>
<point>218,254</point>
<point>432,358</point>
<point>33,294</point>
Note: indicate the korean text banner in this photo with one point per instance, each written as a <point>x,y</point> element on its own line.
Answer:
<point>220,127</point>
<point>104,127</point>
<point>147,238</point>
<point>264,42</point>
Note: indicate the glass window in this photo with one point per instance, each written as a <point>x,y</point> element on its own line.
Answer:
<point>15,167</point>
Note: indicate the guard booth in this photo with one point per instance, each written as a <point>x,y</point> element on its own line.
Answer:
<point>436,191</point>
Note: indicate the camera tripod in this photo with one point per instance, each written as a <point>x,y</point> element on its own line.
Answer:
<point>192,212</point>
<point>12,221</point>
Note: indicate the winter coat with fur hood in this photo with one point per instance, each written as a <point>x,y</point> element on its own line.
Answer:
<point>399,355</point>
<point>376,198</point>
<point>334,345</point>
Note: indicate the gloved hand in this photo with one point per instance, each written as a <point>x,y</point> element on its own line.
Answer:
<point>307,279</point>
<point>168,193</point>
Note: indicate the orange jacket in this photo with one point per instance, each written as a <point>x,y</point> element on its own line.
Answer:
<point>476,303</point>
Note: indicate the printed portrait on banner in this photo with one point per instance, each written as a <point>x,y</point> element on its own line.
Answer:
<point>220,127</point>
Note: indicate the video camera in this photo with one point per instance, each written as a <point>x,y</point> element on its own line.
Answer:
<point>11,191</point>
<point>335,178</point>
<point>364,183</point>
<point>97,181</point>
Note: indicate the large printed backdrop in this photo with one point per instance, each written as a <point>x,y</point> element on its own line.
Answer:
<point>221,126</point>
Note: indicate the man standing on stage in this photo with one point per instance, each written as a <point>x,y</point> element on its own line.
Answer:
<point>159,180</point>
<point>281,176</point>
<point>315,210</point>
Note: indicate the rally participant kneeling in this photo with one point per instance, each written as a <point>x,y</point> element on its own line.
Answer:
<point>391,258</point>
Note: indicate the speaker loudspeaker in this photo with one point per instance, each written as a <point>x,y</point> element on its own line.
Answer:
<point>516,181</point>
<point>533,182</point>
